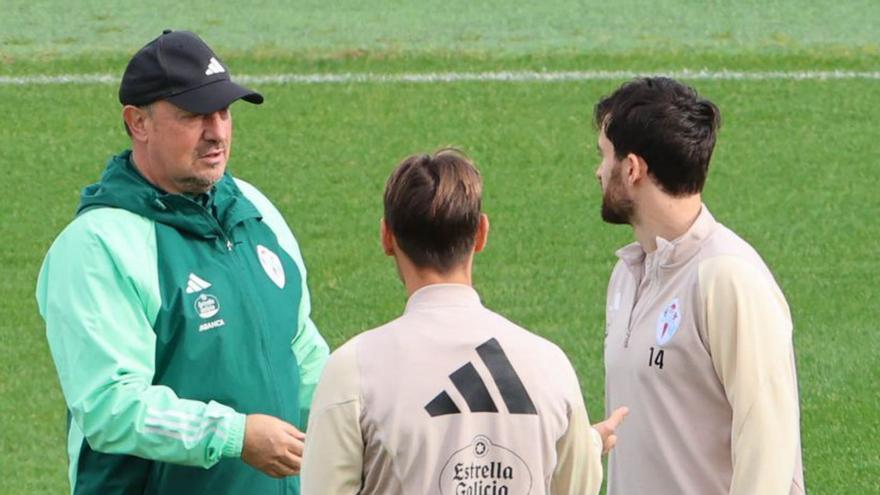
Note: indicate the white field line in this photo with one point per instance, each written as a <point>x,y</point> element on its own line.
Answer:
<point>454,77</point>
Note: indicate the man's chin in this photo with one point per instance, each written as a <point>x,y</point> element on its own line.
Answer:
<point>198,185</point>
<point>615,216</point>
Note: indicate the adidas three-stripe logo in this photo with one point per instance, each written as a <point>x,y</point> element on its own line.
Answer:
<point>472,388</point>
<point>196,284</point>
<point>214,67</point>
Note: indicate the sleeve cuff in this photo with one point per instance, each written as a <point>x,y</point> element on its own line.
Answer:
<point>596,438</point>
<point>235,436</point>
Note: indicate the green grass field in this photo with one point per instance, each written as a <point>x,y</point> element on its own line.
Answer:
<point>794,173</point>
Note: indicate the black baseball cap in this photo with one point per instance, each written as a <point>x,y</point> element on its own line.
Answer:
<point>179,67</point>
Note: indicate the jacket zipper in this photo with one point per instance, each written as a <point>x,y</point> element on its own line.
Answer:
<point>260,317</point>
<point>217,228</point>
<point>649,280</point>
<point>261,326</point>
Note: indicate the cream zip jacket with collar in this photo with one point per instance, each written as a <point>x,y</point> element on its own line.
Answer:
<point>699,347</point>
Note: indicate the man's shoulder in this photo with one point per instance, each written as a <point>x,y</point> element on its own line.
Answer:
<point>100,242</point>
<point>523,338</point>
<point>272,218</point>
<point>102,214</point>
<point>350,348</point>
<point>738,272</point>
<point>342,365</point>
<point>726,253</point>
<point>247,188</point>
<point>726,242</point>
<point>107,224</point>
<point>342,355</point>
<point>256,196</point>
<point>366,337</point>
<point>727,269</point>
<point>259,200</point>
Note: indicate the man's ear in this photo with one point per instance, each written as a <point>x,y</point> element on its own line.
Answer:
<point>635,169</point>
<point>136,119</point>
<point>482,235</point>
<point>387,238</point>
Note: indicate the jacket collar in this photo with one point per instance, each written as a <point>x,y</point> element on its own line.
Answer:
<point>443,295</point>
<point>675,252</point>
<point>122,186</point>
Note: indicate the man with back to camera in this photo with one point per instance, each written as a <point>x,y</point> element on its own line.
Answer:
<point>176,304</point>
<point>698,334</point>
<point>451,397</point>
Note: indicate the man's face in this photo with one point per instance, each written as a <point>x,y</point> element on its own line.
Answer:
<point>187,152</point>
<point>617,205</point>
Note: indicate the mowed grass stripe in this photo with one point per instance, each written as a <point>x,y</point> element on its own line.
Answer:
<point>499,76</point>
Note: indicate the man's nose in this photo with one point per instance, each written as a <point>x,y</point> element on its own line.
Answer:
<point>214,124</point>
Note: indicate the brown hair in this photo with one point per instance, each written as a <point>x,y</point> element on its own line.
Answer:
<point>432,206</point>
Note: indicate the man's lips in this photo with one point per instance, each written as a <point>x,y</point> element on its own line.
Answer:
<point>212,154</point>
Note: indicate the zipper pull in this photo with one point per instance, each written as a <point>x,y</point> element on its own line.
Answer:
<point>228,244</point>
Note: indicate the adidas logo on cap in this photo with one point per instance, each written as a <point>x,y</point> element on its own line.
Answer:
<point>214,67</point>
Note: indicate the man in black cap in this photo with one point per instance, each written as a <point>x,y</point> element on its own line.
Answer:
<point>176,304</point>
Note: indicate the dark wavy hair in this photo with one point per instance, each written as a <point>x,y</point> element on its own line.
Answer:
<point>667,124</point>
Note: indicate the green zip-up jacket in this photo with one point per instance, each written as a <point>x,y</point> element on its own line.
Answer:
<point>169,320</point>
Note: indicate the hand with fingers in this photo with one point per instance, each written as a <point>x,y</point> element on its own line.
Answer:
<point>272,445</point>
<point>608,428</point>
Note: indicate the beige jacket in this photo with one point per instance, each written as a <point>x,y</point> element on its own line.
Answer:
<point>699,346</point>
<point>450,398</point>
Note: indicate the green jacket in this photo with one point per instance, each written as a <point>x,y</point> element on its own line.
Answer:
<point>170,319</point>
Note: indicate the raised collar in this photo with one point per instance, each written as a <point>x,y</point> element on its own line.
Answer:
<point>123,186</point>
<point>443,295</point>
<point>676,251</point>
